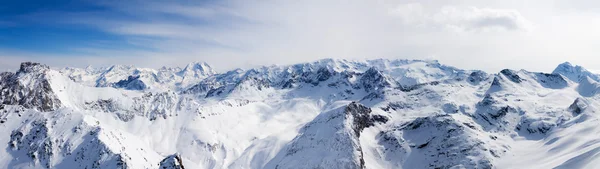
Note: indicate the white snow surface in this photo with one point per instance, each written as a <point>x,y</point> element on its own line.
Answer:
<point>421,114</point>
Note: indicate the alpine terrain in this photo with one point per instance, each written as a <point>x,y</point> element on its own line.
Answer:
<point>329,113</point>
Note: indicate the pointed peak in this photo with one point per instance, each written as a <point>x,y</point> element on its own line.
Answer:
<point>567,67</point>
<point>199,66</point>
<point>477,76</point>
<point>512,75</point>
<point>575,73</point>
<point>373,70</point>
<point>565,64</point>
<point>28,67</point>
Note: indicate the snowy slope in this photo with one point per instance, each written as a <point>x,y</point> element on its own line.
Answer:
<point>325,114</point>
<point>331,140</point>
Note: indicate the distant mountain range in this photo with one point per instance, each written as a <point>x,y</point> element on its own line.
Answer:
<point>325,114</point>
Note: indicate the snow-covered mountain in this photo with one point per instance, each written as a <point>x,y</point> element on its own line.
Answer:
<point>131,78</point>
<point>325,114</point>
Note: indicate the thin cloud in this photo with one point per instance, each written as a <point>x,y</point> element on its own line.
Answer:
<point>456,18</point>
<point>489,35</point>
<point>473,18</point>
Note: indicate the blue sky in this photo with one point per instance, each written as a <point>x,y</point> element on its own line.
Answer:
<point>89,31</point>
<point>488,35</point>
<point>25,27</point>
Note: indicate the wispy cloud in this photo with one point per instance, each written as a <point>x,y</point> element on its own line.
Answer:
<point>457,18</point>
<point>236,33</point>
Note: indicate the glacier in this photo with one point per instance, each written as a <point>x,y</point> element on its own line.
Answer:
<point>330,113</point>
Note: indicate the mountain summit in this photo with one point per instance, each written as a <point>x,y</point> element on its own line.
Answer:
<point>575,73</point>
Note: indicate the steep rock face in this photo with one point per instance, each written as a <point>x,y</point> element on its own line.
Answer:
<point>477,76</point>
<point>511,75</point>
<point>172,162</point>
<point>329,141</point>
<point>578,106</point>
<point>373,79</point>
<point>29,87</point>
<point>131,83</point>
<point>362,117</point>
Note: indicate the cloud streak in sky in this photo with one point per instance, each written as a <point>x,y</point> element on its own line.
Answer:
<point>227,34</point>
<point>463,18</point>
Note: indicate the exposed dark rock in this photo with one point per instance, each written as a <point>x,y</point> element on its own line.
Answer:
<point>323,74</point>
<point>554,81</point>
<point>373,79</point>
<point>131,83</point>
<point>199,88</point>
<point>32,67</point>
<point>257,82</point>
<point>374,95</point>
<point>502,112</point>
<point>496,81</point>
<point>477,76</point>
<point>215,92</point>
<point>535,126</point>
<point>337,131</point>
<point>35,142</point>
<point>6,75</point>
<point>396,106</point>
<point>33,92</point>
<point>363,117</point>
<point>487,100</point>
<point>172,162</point>
<point>578,106</point>
<point>512,75</point>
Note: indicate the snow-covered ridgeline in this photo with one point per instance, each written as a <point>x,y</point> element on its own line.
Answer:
<point>328,113</point>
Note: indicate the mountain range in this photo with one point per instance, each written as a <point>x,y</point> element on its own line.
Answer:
<point>330,113</point>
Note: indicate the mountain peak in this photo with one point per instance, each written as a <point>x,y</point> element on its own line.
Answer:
<point>565,64</point>
<point>29,67</point>
<point>575,73</point>
<point>198,68</point>
<point>119,68</point>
